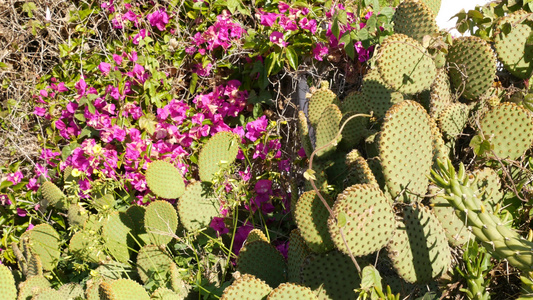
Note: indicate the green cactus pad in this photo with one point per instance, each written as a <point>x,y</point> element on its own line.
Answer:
<point>7,284</point>
<point>117,231</point>
<point>122,289</point>
<point>77,215</point>
<point>360,172</point>
<point>153,264</point>
<point>472,66</point>
<point>452,120</point>
<point>67,175</point>
<point>291,291</point>
<point>441,93</point>
<point>510,41</point>
<point>47,294</point>
<point>93,224</point>
<point>86,247</point>
<point>367,220</point>
<point>354,131</point>
<point>35,266</point>
<point>488,182</point>
<point>271,267</point>
<point>247,287</point>
<point>434,5</point>
<point>161,222</point>
<point>405,148</point>
<point>217,154</point>
<point>509,128</point>
<point>405,65</point>
<point>439,148</point>
<point>92,291</point>
<point>197,207</point>
<point>455,229</point>
<point>327,129</point>
<point>44,241</point>
<point>374,164</point>
<point>414,19</point>
<point>164,180</point>
<point>311,216</point>
<point>379,97</point>
<point>296,255</point>
<point>419,250</point>
<point>136,214</point>
<point>318,102</point>
<point>32,285</point>
<point>256,235</point>
<point>104,203</point>
<point>176,283</point>
<point>71,291</point>
<point>303,130</point>
<point>53,195</point>
<point>331,275</point>
<point>164,293</point>
<point>113,270</point>
<point>354,102</point>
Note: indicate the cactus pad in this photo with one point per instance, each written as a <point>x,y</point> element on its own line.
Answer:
<point>53,195</point>
<point>311,217</point>
<point>511,45</point>
<point>122,289</point>
<point>291,291</point>
<point>217,154</point>
<point>271,266</point>
<point>414,19</point>
<point>7,283</point>
<point>354,102</point>
<point>488,182</point>
<point>247,287</point>
<point>354,131</point>
<point>44,241</point>
<point>318,102</point>
<point>161,222</point>
<point>472,66</point>
<point>405,65</point>
<point>452,120</point>
<point>256,235</point>
<point>47,294</point>
<point>379,97</point>
<point>86,247</point>
<point>405,148</point>
<point>368,220</point>
<point>197,207</point>
<point>136,214</point>
<point>331,276</point>
<point>32,285</point>
<point>441,93</point>
<point>164,180</point>
<point>419,250</point>
<point>153,264</point>
<point>71,291</point>
<point>106,202</point>
<point>509,128</point>
<point>117,232</point>
<point>360,172</point>
<point>303,130</point>
<point>164,293</point>
<point>327,129</point>
<point>296,255</point>
<point>455,229</point>
<point>77,215</point>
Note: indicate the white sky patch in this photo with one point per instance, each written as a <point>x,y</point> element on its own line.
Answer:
<point>449,8</point>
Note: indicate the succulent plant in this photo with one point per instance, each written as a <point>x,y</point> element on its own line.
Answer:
<point>291,291</point>
<point>153,264</point>
<point>318,102</point>
<point>122,289</point>
<point>161,222</point>
<point>197,207</point>
<point>296,255</point>
<point>414,19</point>
<point>271,267</point>
<point>311,217</point>
<point>217,154</point>
<point>378,96</point>
<point>53,195</point>
<point>164,180</point>
<point>117,232</point>
<point>7,283</point>
<point>247,287</point>
<point>32,285</point>
<point>327,129</point>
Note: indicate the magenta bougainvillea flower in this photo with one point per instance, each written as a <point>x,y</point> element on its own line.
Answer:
<point>256,128</point>
<point>158,19</point>
<point>218,224</point>
<point>320,51</point>
<point>276,37</point>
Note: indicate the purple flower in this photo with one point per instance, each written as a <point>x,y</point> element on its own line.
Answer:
<point>256,128</point>
<point>4,200</point>
<point>284,165</point>
<point>283,248</point>
<point>302,153</point>
<point>21,212</point>
<point>158,19</point>
<point>277,38</point>
<point>362,53</point>
<point>240,237</point>
<point>308,24</point>
<point>39,111</point>
<point>117,58</point>
<point>218,224</point>
<point>104,68</point>
<point>269,19</point>
<point>30,227</point>
<point>283,7</point>
<point>320,51</point>
<point>263,186</point>
<point>33,185</point>
<point>15,178</point>
<point>141,35</point>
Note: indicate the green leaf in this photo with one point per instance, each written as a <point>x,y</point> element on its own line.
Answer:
<point>91,107</point>
<point>194,81</point>
<point>341,219</point>
<point>28,8</point>
<point>233,5</point>
<point>5,183</point>
<point>350,49</point>
<point>3,65</point>
<point>370,278</point>
<point>292,57</point>
<point>474,14</point>
<point>335,28</point>
<point>271,61</point>
<point>342,17</point>
<point>480,146</point>
<point>310,174</point>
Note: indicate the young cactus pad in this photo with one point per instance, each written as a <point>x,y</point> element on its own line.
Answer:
<point>247,287</point>
<point>264,261</point>
<point>366,218</point>
<point>161,222</point>
<point>53,195</point>
<point>7,284</point>
<point>327,129</point>
<point>311,216</point>
<point>197,207</point>
<point>217,154</point>
<point>44,241</point>
<point>414,19</point>
<point>292,291</point>
<point>164,180</point>
<point>319,101</point>
<point>117,232</point>
<point>122,289</point>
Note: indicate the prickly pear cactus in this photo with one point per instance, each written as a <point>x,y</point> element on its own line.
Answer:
<point>53,195</point>
<point>71,291</point>
<point>164,180</point>
<point>472,66</point>
<point>291,291</point>
<point>509,128</point>
<point>161,222</point>
<point>414,19</point>
<point>296,255</point>
<point>419,250</point>
<point>455,229</point>
<point>117,232</point>
<point>405,65</point>
<point>379,97</point>
<point>32,285</point>
<point>122,289</point>
<point>311,217</point>
<point>86,246</point>
<point>7,283</point>
<point>271,267</point>
<point>47,294</point>
<point>44,240</point>
<point>440,93</point>
<point>366,218</point>
<point>217,154</point>
<point>510,41</point>
<point>354,102</point>
<point>327,129</point>
<point>77,215</point>
<point>405,148</point>
<point>256,235</point>
<point>318,102</point>
<point>453,119</point>
<point>197,208</point>
<point>303,130</point>
<point>153,264</point>
<point>247,287</point>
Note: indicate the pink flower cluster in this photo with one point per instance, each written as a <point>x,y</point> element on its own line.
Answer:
<point>223,33</point>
